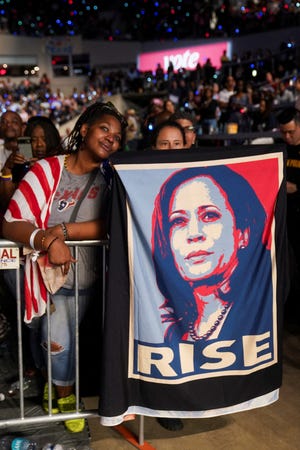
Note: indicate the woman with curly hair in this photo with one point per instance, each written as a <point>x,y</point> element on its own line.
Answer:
<point>65,198</point>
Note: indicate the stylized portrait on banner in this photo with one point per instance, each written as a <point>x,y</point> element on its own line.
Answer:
<point>202,279</point>
<point>206,224</point>
<point>197,280</point>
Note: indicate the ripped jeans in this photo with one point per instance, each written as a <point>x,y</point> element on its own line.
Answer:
<point>62,326</point>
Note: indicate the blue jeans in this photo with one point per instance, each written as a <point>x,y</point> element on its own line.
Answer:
<point>62,327</point>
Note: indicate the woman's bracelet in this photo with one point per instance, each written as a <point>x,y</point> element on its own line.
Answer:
<point>51,243</point>
<point>65,231</point>
<point>43,241</point>
<point>32,237</point>
<point>6,177</point>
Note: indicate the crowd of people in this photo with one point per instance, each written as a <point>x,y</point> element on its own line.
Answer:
<point>235,107</point>
<point>38,214</point>
<point>37,98</point>
<point>203,92</point>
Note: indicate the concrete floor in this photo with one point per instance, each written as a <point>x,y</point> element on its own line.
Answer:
<point>275,427</point>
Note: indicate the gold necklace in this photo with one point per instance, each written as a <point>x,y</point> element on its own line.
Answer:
<point>65,161</point>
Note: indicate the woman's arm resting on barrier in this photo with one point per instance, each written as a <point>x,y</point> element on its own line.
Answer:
<point>27,234</point>
<point>93,229</point>
<point>18,231</point>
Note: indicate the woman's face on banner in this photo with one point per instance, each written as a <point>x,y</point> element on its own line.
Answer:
<point>203,235</point>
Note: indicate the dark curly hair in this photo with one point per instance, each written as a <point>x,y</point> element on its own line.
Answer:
<point>73,142</point>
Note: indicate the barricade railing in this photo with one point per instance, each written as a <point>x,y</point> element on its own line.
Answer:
<point>10,260</point>
<point>248,137</point>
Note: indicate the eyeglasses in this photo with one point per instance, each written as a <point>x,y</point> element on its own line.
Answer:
<point>189,129</point>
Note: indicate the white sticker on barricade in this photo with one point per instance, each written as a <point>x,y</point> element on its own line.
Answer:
<point>9,258</point>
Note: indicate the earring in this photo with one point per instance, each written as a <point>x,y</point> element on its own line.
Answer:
<point>242,246</point>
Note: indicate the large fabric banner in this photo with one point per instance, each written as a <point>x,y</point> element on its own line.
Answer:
<point>196,283</point>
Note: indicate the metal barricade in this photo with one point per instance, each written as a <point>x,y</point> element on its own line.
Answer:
<point>9,258</point>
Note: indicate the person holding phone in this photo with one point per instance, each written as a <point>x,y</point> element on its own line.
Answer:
<point>39,139</point>
<point>11,128</point>
<point>21,159</point>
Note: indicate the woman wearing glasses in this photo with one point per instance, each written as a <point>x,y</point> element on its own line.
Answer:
<point>188,123</point>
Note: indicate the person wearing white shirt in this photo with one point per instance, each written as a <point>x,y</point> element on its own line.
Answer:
<point>224,96</point>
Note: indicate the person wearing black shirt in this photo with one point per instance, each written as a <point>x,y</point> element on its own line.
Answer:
<point>289,125</point>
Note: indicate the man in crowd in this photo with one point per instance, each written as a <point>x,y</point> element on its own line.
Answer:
<point>297,92</point>
<point>284,96</point>
<point>188,123</point>
<point>11,128</point>
<point>289,125</point>
<point>223,101</point>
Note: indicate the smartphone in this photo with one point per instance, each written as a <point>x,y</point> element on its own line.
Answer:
<point>24,145</point>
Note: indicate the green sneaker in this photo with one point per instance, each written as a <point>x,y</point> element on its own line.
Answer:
<point>54,409</point>
<point>66,405</point>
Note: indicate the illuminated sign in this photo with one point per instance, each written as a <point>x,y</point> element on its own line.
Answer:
<point>184,57</point>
